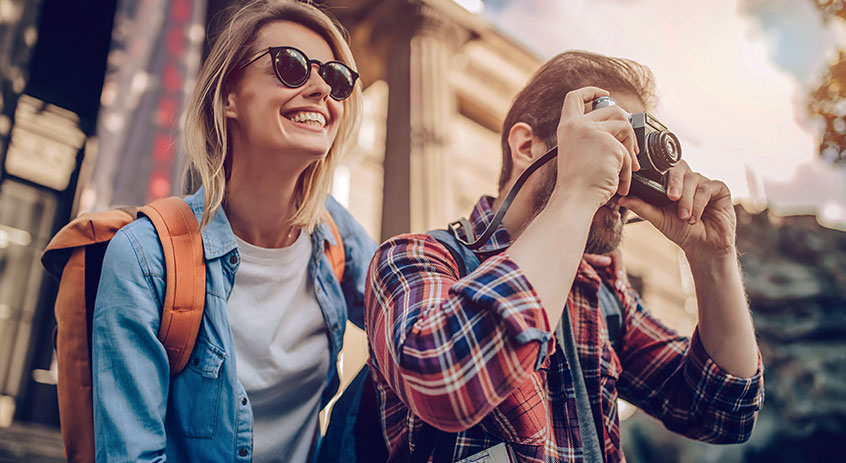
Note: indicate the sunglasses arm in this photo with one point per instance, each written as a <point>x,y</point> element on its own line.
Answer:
<point>254,58</point>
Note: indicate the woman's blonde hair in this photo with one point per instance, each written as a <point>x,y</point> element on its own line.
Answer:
<point>204,125</point>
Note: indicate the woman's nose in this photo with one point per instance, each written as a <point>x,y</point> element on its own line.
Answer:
<point>316,87</point>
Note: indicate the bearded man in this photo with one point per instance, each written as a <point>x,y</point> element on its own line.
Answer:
<point>519,353</point>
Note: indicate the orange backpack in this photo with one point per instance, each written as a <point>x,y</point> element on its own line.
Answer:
<point>75,257</point>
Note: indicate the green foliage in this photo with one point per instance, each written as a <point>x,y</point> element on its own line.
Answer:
<point>827,103</point>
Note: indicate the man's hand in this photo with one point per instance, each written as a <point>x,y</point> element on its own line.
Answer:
<point>597,151</point>
<point>701,218</point>
<point>701,221</point>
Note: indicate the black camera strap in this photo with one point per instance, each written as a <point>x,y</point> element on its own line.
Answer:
<point>464,224</point>
<point>503,208</point>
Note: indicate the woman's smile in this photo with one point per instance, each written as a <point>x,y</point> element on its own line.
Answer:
<point>309,119</point>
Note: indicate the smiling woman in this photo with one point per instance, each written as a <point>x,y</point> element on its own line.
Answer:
<point>274,106</point>
<point>206,131</point>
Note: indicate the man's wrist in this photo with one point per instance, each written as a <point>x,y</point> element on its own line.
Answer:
<point>573,206</point>
<point>713,265</point>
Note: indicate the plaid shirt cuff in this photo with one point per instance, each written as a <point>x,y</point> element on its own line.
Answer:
<point>500,285</point>
<point>726,392</point>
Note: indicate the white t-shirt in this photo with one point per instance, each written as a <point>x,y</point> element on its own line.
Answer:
<point>281,347</point>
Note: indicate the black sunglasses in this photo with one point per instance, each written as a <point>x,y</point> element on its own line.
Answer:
<point>293,68</point>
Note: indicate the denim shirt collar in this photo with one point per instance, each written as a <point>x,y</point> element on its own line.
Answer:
<point>219,240</point>
<point>322,233</point>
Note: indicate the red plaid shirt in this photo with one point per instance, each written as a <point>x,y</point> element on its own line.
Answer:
<point>476,356</point>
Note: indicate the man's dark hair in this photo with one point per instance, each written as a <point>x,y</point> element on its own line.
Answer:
<point>539,103</point>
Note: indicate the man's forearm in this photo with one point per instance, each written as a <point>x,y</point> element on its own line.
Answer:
<point>549,250</point>
<point>725,324</point>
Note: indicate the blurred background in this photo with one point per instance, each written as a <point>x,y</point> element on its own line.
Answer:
<point>91,92</point>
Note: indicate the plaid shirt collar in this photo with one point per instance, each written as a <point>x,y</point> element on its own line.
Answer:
<point>480,218</point>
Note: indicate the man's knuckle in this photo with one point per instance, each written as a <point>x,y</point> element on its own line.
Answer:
<point>568,125</point>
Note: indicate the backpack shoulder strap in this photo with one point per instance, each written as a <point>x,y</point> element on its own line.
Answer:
<point>465,258</point>
<point>185,281</point>
<point>612,310</point>
<point>335,252</point>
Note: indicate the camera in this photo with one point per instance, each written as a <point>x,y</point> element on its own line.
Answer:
<point>659,151</point>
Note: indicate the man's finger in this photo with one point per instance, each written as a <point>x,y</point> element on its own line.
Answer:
<point>574,102</point>
<point>625,176</point>
<point>622,131</point>
<point>675,180</point>
<point>608,113</point>
<point>621,128</point>
<point>598,260</point>
<point>704,192</point>
<point>685,204</point>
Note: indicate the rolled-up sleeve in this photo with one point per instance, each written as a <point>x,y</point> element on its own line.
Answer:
<point>451,348</point>
<point>724,392</point>
<point>674,379</point>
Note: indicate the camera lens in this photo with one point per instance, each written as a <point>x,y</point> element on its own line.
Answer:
<point>663,149</point>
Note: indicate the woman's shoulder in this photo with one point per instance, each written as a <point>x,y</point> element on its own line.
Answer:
<point>141,238</point>
<point>138,240</point>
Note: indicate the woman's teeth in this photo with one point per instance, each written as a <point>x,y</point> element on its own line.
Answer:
<point>308,118</point>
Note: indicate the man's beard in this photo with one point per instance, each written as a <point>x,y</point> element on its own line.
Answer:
<point>606,229</point>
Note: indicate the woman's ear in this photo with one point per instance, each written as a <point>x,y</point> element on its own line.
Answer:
<point>230,108</point>
<point>522,141</point>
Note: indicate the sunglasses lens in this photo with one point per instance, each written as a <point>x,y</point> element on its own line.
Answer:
<point>340,78</point>
<point>292,67</point>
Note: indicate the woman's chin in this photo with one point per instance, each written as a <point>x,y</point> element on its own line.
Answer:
<point>308,152</point>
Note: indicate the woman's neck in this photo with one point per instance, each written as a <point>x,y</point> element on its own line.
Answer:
<point>260,204</point>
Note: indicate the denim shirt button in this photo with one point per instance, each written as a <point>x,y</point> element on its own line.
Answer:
<point>233,259</point>
<point>334,327</point>
<point>242,452</point>
<point>244,401</point>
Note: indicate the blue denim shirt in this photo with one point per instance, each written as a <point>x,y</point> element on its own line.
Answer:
<point>203,414</point>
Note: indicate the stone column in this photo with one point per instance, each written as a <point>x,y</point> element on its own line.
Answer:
<point>418,193</point>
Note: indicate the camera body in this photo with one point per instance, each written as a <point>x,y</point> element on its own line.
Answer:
<point>659,150</point>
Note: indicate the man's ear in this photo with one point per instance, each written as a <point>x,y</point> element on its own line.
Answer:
<point>522,141</point>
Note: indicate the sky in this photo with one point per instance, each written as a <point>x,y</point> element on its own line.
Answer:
<point>732,76</point>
